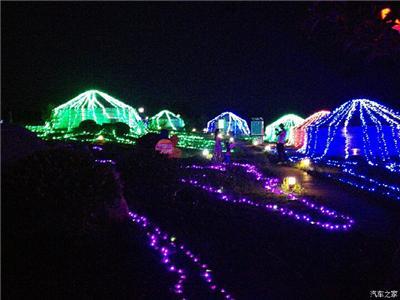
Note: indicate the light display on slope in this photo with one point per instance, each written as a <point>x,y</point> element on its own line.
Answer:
<point>228,122</point>
<point>166,120</point>
<point>300,136</point>
<point>316,215</point>
<point>289,121</point>
<point>97,106</point>
<point>357,124</point>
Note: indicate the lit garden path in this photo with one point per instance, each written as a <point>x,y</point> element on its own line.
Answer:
<point>373,215</point>
<point>257,255</point>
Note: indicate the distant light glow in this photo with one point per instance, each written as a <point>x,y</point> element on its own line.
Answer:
<point>141,110</point>
<point>289,121</point>
<point>385,12</point>
<point>299,131</point>
<point>166,119</point>
<point>229,122</point>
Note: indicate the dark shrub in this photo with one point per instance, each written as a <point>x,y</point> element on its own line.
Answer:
<point>121,128</point>
<point>89,126</point>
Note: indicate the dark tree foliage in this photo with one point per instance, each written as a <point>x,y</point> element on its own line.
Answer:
<point>356,28</point>
<point>89,126</point>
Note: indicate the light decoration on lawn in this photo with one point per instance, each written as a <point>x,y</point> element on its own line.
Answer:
<point>195,141</point>
<point>289,121</point>
<point>348,172</point>
<point>166,119</point>
<point>97,106</point>
<point>229,122</point>
<point>339,222</point>
<point>357,124</point>
<point>299,131</point>
<point>173,253</point>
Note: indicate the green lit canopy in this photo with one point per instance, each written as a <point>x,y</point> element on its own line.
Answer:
<point>289,121</point>
<point>166,120</point>
<point>97,106</point>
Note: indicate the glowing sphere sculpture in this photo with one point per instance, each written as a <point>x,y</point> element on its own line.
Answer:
<point>359,127</point>
<point>166,120</point>
<point>289,121</point>
<point>97,106</point>
<point>299,131</point>
<point>229,122</point>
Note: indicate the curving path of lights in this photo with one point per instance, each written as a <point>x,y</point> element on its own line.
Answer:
<point>173,253</point>
<point>170,249</point>
<point>339,222</point>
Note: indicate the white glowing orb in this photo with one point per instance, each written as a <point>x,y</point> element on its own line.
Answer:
<point>206,152</point>
<point>231,139</point>
<point>355,151</point>
<point>291,180</point>
<point>256,143</point>
<point>194,129</point>
<point>141,110</point>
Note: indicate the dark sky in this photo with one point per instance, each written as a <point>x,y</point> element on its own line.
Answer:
<point>198,59</point>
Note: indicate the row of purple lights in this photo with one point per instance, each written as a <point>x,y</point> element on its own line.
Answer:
<point>272,185</point>
<point>169,249</point>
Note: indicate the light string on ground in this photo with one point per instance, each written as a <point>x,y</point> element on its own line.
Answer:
<point>271,185</point>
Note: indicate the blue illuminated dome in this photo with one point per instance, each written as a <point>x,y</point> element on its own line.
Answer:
<point>359,127</point>
<point>229,122</point>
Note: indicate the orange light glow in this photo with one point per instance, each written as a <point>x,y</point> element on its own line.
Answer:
<point>397,21</point>
<point>385,12</point>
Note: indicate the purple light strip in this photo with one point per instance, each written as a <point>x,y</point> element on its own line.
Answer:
<point>105,161</point>
<point>271,185</point>
<point>169,248</point>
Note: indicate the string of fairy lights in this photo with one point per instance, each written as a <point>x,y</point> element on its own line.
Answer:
<point>339,222</point>
<point>175,255</point>
<point>228,122</point>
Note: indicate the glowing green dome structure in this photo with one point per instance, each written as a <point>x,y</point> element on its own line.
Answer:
<point>289,121</point>
<point>97,106</point>
<point>166,120</point>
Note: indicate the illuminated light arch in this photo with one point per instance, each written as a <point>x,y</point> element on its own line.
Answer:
<point>229,122</point>
<point>299,131</point>
<point>289,121</point>
<point>358,127</point>
<point>166,119</point>
<point>97,106</point>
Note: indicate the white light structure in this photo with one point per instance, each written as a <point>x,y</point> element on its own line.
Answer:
<point>371,128</point>
<point>229,122</point>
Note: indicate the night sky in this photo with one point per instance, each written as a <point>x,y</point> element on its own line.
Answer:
<point>197,59</point>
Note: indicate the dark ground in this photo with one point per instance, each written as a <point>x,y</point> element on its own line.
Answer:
<point>254,254</point>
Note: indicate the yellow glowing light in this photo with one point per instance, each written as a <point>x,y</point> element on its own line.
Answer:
<point>305,163</point>
<point>206,152</point>
<point>255,143</point>
<point>385,12</point>
<point>100,138</point>
<point>291,180</point>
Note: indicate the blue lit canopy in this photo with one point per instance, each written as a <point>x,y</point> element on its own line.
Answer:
<point>359,127</point>
<point>229,122</point>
